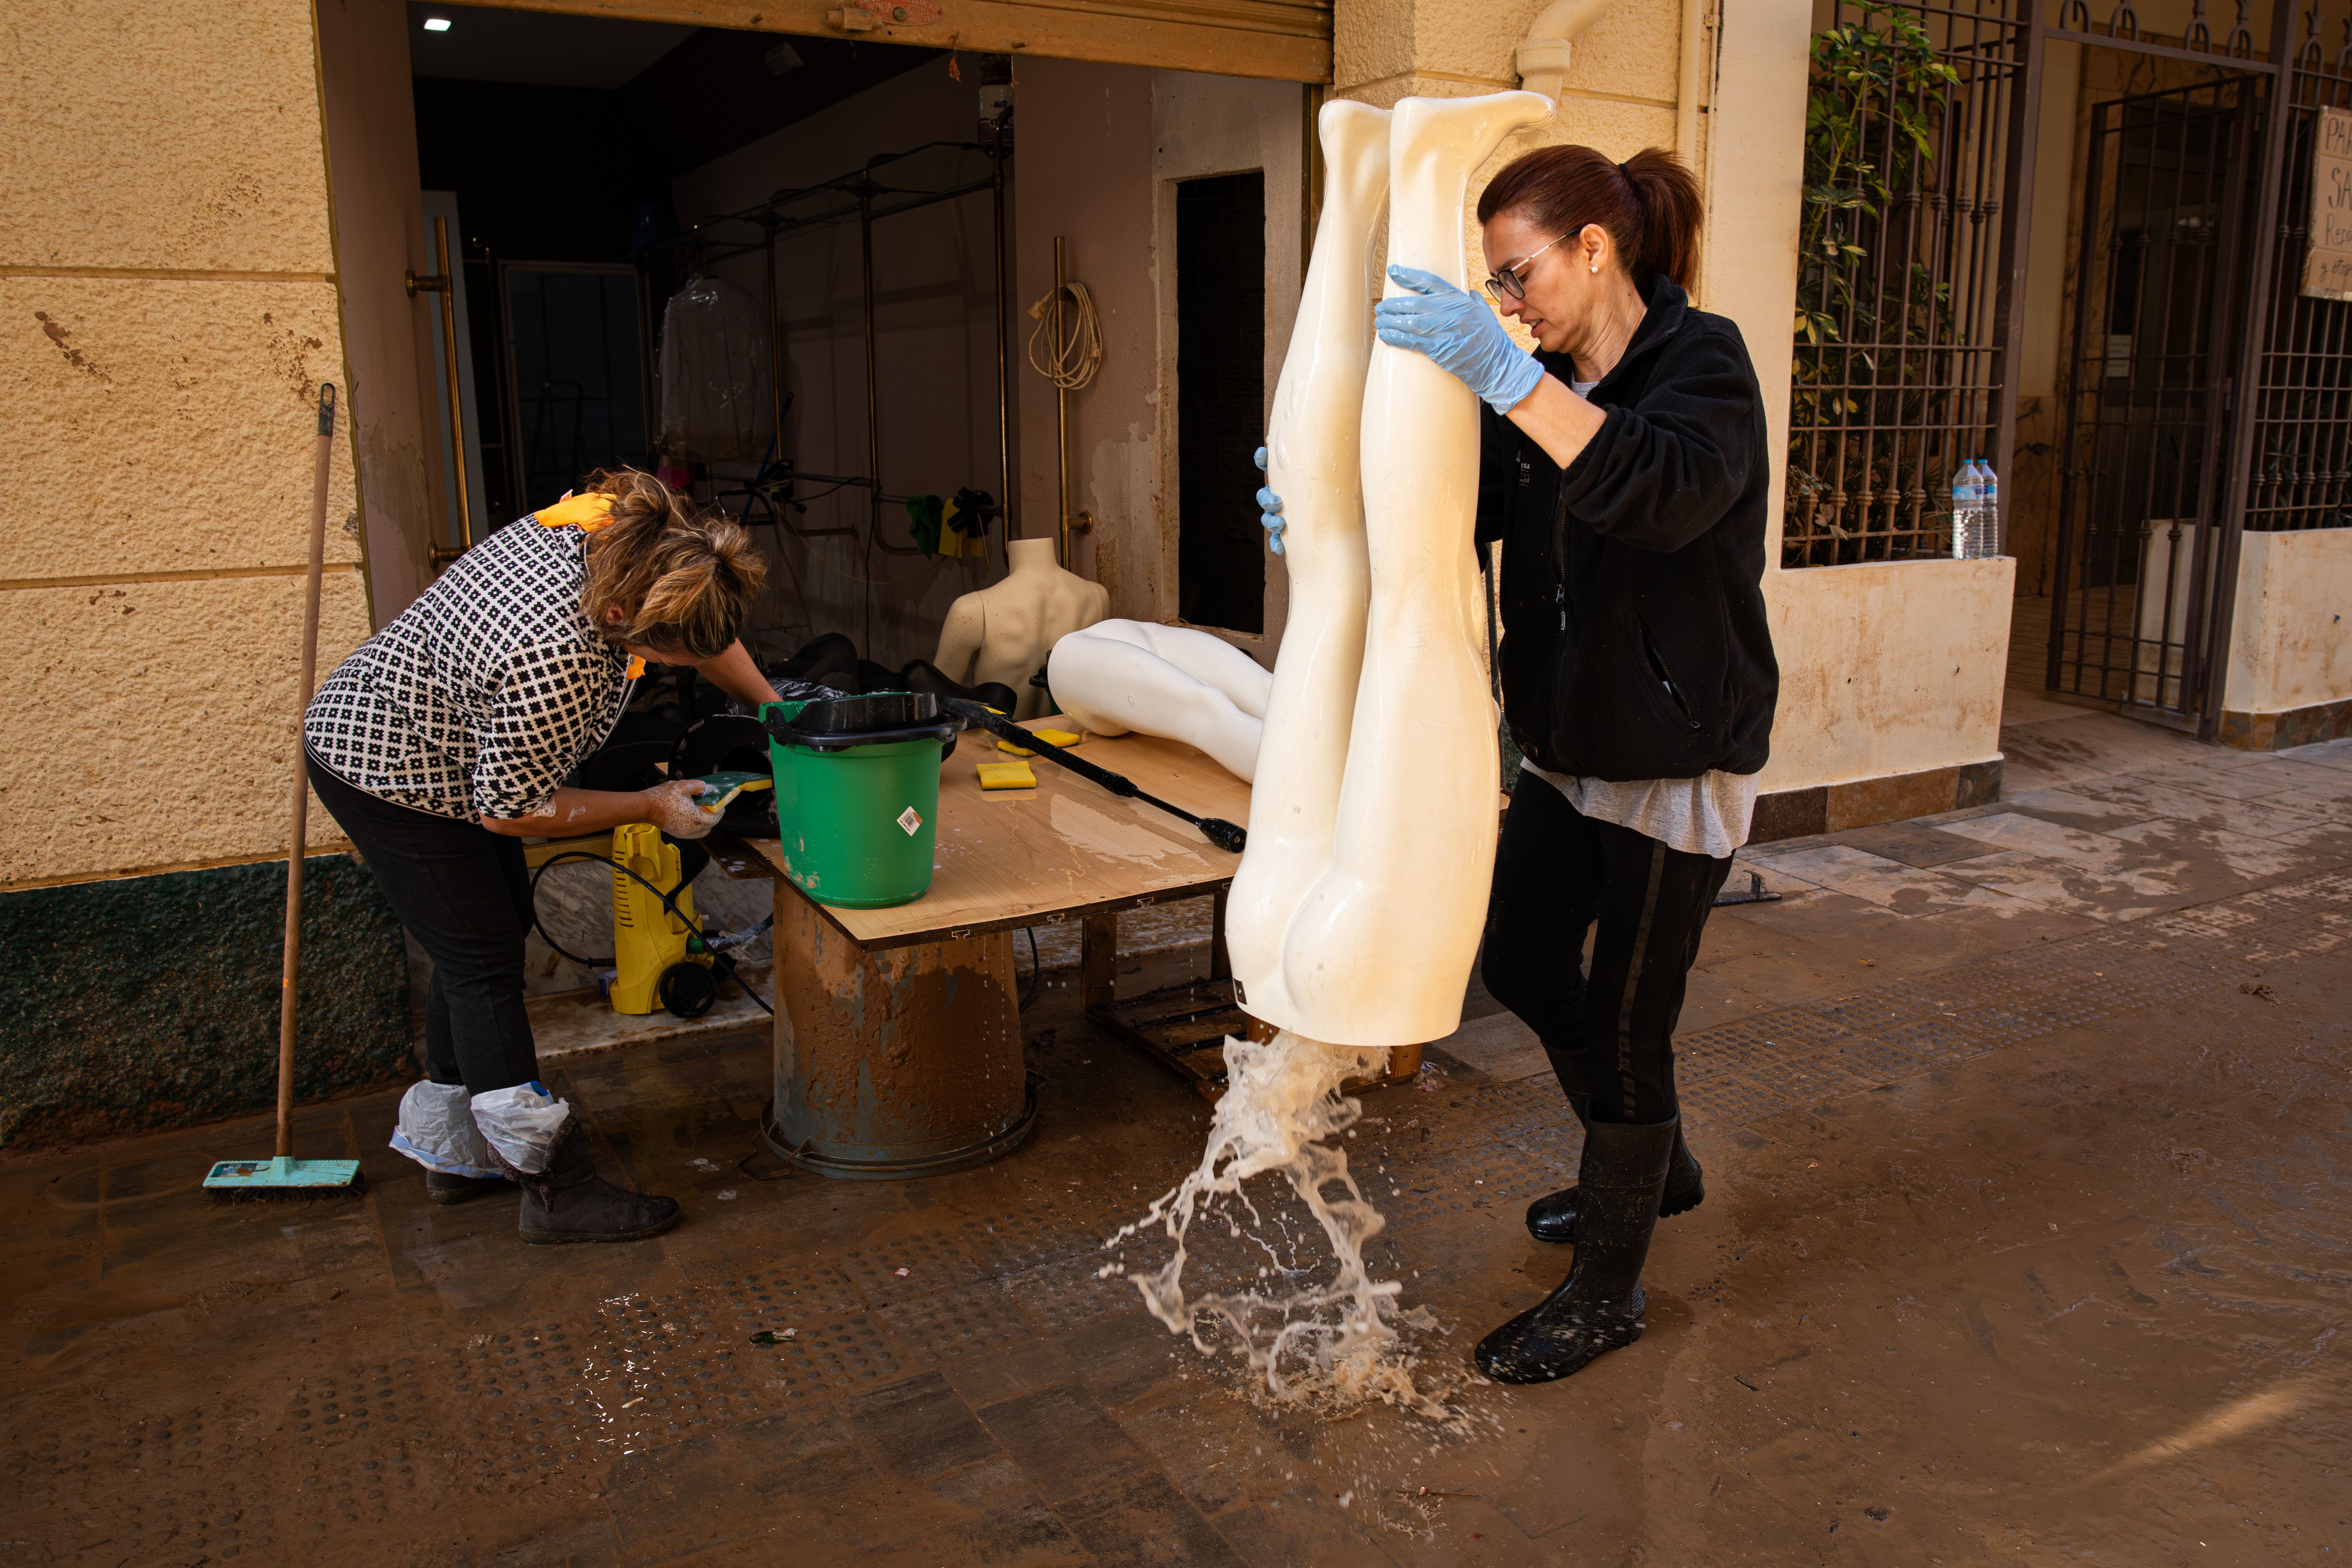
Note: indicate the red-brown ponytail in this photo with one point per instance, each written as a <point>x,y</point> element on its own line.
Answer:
<point>1649,203</point>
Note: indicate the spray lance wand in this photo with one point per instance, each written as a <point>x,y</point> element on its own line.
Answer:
<point>1215,829</point>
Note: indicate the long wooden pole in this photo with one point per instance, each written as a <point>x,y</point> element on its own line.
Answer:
<point>299,838</point>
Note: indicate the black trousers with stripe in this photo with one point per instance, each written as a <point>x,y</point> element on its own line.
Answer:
<point>1558,873</point>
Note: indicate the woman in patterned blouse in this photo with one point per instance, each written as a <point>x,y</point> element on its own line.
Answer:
<point>445,740</point>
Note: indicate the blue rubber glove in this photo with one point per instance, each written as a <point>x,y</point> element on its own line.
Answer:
<point>1269,509</point>
<point>1460,333</point>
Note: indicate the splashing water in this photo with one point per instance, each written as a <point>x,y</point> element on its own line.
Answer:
<point>1337,1344</point>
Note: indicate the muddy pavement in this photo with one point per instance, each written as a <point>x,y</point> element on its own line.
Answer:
<point>2038,1256</point>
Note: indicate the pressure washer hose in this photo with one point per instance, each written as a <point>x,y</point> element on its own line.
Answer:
<point>719,960</point>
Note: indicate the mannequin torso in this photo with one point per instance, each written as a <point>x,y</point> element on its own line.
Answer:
<point>1005,632</point>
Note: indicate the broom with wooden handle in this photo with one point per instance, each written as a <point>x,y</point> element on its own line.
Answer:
<point>284,1175</point>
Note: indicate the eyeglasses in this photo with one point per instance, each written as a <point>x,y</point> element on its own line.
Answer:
<point>1508,280</point>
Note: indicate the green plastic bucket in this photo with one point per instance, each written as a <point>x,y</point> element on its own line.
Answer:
<point>859,823</point>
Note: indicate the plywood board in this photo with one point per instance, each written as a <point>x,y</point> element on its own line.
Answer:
<point>1008,859</point>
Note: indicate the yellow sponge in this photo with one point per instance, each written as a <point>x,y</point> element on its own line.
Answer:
<point>1051,737</point>
<point>1006,776</point>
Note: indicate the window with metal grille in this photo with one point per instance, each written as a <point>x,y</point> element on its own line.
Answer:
<point>2302,474</point>
<point>1897,376</point>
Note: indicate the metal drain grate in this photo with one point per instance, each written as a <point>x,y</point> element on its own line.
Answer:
<point>1806,1079</point>
<point>1463,1181</point>
<point>1875,1063</point>
<point>1060,1297</point>
<point>1954,1037</point>
<point>912,1266</point>
<point>848,1353</point>
<point>1871,1011</point>
<point>1032,1235</point>
<point>1554,1148</point>
<point>1723,1101</point>
<point>788,1294</point>
<point>957,1323</point>
<point>1792,1032</point>
<point>1502,1109</point>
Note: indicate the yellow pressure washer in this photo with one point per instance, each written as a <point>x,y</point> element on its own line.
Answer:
<point>659,957</point>
<point>657,951</point>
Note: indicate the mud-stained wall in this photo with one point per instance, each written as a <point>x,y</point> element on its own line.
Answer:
<point>1886,667</point>
<point>149,1001</point>
<point>2291,639</point>
<point>167,308</point>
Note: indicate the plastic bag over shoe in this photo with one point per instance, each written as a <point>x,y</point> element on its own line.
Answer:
<point>522,1123</point>
<point>436,1129</point>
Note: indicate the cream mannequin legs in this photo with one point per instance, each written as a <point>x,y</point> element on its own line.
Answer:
<point>1118,675</point>
<point>1310,462</point>
<point>1377,948</point>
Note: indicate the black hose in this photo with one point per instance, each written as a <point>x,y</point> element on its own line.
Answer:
<point>719,960</point>
<point>1036,975</point>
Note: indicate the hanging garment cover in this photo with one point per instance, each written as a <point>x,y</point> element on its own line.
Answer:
<point>715,404</point>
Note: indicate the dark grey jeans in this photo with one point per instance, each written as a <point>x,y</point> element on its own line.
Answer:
<point>464,895</point>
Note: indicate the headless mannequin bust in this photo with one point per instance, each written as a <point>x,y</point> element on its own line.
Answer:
<point>1005,632</point>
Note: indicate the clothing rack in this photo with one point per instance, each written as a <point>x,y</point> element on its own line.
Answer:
<point>862,198</point>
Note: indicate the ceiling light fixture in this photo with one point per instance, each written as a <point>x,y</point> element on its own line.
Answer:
<point>436,24</point>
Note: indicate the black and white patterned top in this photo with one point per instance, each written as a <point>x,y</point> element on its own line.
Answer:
<point>486,692</point>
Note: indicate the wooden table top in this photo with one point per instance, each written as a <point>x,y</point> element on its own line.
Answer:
<point>1008,859</point>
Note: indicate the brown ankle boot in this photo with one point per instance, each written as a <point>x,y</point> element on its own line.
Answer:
<point>441,1187</point>
<point>570,1202</point>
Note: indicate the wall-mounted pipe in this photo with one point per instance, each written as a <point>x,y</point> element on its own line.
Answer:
<point>1071,522</point>
<point>1690,84</point>
<point>1544,52</point>
<point>1002,146</point>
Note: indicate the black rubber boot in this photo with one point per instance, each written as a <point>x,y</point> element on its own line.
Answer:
<point>444,1188</point>
<point>570,1202</point>
<point>1552,1217</point>
<point>1597,1307</point>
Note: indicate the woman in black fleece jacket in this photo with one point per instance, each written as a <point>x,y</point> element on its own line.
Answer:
<point>1624,470</point>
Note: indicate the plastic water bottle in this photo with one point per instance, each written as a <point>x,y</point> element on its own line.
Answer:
<point>1966,496</point>
<point>1985,544</point>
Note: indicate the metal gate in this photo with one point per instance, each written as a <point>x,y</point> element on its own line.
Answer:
<point>2158,307</point>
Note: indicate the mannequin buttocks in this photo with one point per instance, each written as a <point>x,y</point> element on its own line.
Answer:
<point>1005,631</point>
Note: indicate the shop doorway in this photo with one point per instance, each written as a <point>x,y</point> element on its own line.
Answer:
<point>854,228</point>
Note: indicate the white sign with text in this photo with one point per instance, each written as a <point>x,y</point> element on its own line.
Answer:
<point>2328,265</point>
